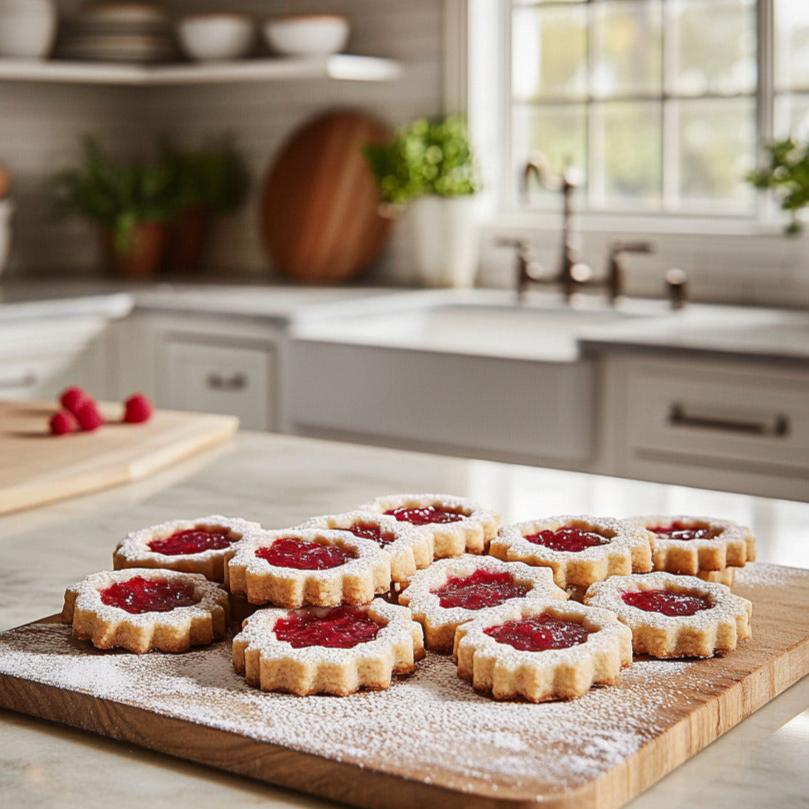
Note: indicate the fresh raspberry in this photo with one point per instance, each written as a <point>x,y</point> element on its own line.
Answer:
<point>88,416</point>
<point>72,398</point>
<point>137,409</point>
<point>62,423</point>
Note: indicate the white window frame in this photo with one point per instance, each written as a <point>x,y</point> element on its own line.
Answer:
<point>481,29</point>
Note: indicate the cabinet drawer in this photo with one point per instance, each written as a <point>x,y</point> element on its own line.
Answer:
<point>235,380</point>
<point>746,418</point>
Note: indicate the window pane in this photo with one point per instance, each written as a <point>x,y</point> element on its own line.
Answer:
<point>792,43</point>
<point>627,152</point>
<point>713,46</point>
<point>628,46</point>
<point>716,150</point>
<point>792,115</point>
<point>549,52</point>
<point>558,131</point>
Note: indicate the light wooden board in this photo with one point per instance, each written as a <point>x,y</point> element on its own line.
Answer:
<point>37,468</point>
<point>429,739</point>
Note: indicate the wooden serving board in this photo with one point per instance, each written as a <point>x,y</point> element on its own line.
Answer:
<point>429,739</point>
<point>39,468</point>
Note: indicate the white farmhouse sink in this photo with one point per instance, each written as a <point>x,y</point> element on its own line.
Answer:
<point>471,373</point>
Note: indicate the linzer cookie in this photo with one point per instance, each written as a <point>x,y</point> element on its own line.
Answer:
<point>456,525</point>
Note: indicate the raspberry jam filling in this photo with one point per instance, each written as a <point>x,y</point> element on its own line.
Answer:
<point>192,540</point>
<point>429,515</point>
<point>483,588</point>
<point>138,595</point>
<point>679,530</point>
<point>338,628</point>
<point>367,530</point>
<point>303,555</point>
<point>666,602</point>
<point>539,633</point>
<point>569,538</point>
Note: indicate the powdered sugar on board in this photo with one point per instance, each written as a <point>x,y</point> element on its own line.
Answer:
<point>431,724</point>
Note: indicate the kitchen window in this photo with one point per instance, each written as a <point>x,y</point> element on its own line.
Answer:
<point>662,104</point>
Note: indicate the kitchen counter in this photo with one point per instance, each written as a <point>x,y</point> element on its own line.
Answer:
<point>280,481</point>
<point>588,327</point>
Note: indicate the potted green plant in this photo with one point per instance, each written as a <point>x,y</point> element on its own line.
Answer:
<point>430,168</point>
<point>130,202</point>
<point>211,181</point>
<point>787,174</point>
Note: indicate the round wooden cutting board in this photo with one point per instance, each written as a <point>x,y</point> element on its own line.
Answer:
<point>320,221</point>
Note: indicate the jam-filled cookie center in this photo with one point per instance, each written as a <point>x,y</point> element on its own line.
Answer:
<point>138,595</point>
<point>338,628</point>
<point>570,538</point>
<point>667,602</point>
<point>426,515</point>
<point>374,532</point>
<point>304,555</point>
<point>539,633</point>
<point>679,530</point>
<point>192,540</point>
<point>483,588</point>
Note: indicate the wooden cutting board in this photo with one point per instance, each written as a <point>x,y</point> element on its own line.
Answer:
<point>37,468</point>
<point>429,740</point>
<point>319,216</point>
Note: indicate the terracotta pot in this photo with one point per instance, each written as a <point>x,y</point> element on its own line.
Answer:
<point>187,236</point>
<point>144,256</point>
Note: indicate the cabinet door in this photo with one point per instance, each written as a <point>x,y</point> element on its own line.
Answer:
<point>235,380</point>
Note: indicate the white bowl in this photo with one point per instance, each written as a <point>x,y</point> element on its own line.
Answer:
<point>307,34</point>
<point>216,37</point>
<point>27,28</point>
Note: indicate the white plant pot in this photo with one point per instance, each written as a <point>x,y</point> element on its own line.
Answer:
<point>445,240</point>
<point>27,28</point>
<point>6,211</point>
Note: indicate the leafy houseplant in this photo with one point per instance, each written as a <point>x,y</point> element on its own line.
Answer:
<point>210,181</point>
<point>430,167</point>
<point>131,203</point>
<point>787,174</point>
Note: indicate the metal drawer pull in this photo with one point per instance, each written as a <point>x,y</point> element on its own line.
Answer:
<point>227,383</point>
<point>777,426</point>
<point>24,381</point>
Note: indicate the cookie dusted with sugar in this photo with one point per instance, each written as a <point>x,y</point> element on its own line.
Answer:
<point>688,545</point>
<point>190,546</point>
<point>338,650</point>
<point>457,525</point>
<point>143,610</point>
<point>579,550</point>
<point>453,591</point>
<point>409,549</point>
<point>307,567</point>
<point>675,616</point>
<point>542,650</point>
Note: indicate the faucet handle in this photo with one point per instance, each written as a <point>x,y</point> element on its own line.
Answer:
<point>619,247</point>
<point>677,287</point>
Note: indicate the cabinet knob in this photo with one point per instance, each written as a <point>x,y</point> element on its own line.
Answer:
<point>235,382</point>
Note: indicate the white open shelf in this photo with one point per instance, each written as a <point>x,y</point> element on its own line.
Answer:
<point>341,67</point>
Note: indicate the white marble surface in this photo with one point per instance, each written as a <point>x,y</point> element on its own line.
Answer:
<point>281,480</point>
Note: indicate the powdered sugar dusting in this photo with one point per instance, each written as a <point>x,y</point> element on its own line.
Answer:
<point>412,725</point>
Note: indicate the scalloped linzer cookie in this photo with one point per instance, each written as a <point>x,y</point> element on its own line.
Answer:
<point>580,550</point>
<point>408,548</point>
<point>453,591</point>
<point>542,650</point>
<point>689,544</point>
<point>143,609</point>
<point>307,567</point>
<point>457,525</point>
<point>337,650</point>
<point>675,616</point>
<point>190,546</point>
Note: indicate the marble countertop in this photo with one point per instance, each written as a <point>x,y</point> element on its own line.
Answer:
<point>636,325</point>
<point>280,480</point>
